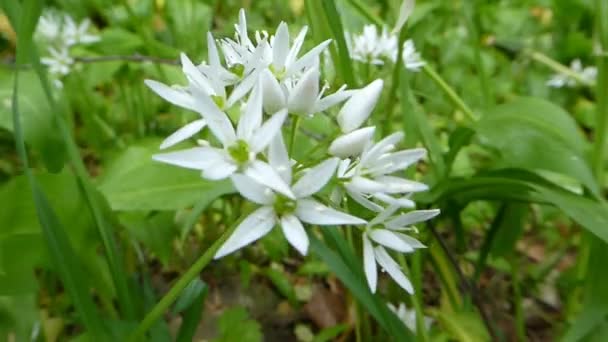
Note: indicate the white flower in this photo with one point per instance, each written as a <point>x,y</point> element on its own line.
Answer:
<point>59,62</point>
<point>411,58</point>
<point>49,26</point>
<point>408,316</point>
<point>371,47</point>
<point>241,51</point>
<point>289,213</point>
<point>368,177</point>
<point>588,74</point>
<point>386,230</point>
<point>240,148</point>
<point>77,33</point>
<point>299,96</point>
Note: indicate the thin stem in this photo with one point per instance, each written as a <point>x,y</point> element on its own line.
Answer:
<point>170,297</point>
<point>417,299</point>
<point>295,122</point>
<point>599,150</point>
<point>450,92</point>
<point>132,58</point>
<point>366,12</point>
<point>466,285</point>
<point>557,66</point>
<point>395,84</point>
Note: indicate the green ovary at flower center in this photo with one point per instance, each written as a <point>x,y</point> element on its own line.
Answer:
<point>283,205</point>
<point>219,101</point>
<point>239,152</point>
<point>238,69</point>
<point>278,73</point>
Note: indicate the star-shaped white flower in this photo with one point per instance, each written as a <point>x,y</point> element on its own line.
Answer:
<point>240,148</point>
<point>77,33</point>
<point>588,74</point>
<point>386,231</point>
<point>372,47</point>
<point>289,213</point>
<point>368,177</point>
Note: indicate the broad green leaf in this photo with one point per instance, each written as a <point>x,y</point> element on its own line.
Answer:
<point>534,134</point>
<point>463,326</point>
<point>18,317</point>
<point>155,231</point>
<point>37,119</point>
<point>133,181</point>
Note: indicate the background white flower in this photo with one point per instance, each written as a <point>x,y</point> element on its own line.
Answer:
<point>408,316</point>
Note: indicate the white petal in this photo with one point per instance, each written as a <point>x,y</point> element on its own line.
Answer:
<point>352,144</point>
<point>332,100</point>
<point>195,76</point>
<point>198,158</point>
<point>256,225</point>
<point>251,117</point>
<point>313,212</point>
<point>384,215</point>
<point>303,96</point>
<point>359,198</point>
<point>369,264</point>
<point>297,45</point>
<point>280,47</point>
<point>183,133</point>
<point>221,169</point>
<point>273,95</point>
<point>316,178</point>
<point>358,108</point>
<point>393,269</point>
<point>252,190</point>
<point>213,55</point>
<point>177,97</point>
<point>414,243</point>
<point>365,185</point>
<point>406,9</point>
<point>308,59</point>
<point>243,88</point>
<point>396,185</point>
<point>397,161</point>
<point>402,202</point>
<point>218,122</point>
<point>391,240</point>
<point>295,233</point>
<point>279,159</point>
<point>271,128</point>
<point>412,218</point>
<point>371,155</point>
<point>266,175</point>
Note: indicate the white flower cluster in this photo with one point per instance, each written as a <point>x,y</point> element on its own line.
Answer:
<point>588,75</point>
<point>269,82</point>
<point>375,48</point>
<point>59,32</point>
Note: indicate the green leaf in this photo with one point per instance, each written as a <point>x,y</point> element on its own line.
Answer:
<point>534,134</point>
<point>280,280</point>
<point>354,280</point>
<point>190,303</point>
<point>235,326</point>
<point>133,181</point>
<point>182,16</point>
<point>155,231</point>
<point>463,326</point>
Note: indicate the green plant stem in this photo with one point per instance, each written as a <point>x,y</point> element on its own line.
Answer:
<point>601,127</point>
<point>395,84</point>
<point>450,92</point>
<point>366,12</point>
<point>472,27</point>
<point>159,309</point>
<point>556,66</point>
<point>295,122</point>
<point>520,319</point>
<point>417,278</point>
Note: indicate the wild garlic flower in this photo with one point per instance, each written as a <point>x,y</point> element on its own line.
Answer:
<point>408,316</point>
<point>386,231</point>
<point>58,33</point>
<point>588,75</point>
<point>289,213</point>
<point>240,148</point>
<point>375,48</point>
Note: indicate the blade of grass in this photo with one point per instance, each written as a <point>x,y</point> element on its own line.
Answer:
<point>91,196</point>
<point>60,249</point>
<point>335,24</point>
<point>599,151</point>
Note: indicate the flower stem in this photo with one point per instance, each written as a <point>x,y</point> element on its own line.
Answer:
<point>366,12</point>
<point>599,151</point>
<point>295,122</point>
<point>170,297</point>
<point>556,66</point>
<point>450,92</point>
